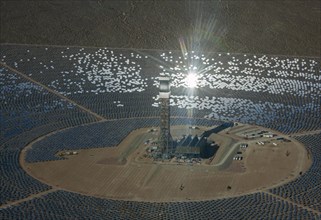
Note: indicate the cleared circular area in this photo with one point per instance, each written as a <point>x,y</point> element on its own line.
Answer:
<point>125,172</point>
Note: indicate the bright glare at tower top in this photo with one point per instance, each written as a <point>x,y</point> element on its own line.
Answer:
<point>191,80</point>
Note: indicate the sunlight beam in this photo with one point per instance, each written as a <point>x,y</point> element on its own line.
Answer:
<point>191,80</point>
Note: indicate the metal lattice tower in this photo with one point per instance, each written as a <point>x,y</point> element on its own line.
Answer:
<point>165,138</point>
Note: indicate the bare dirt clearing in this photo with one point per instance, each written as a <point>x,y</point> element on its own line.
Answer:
<point>116,172</point>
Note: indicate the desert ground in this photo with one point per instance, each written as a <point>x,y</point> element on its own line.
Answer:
<point>241,27</point>
<point>290,27</point>
<point>122,173</point>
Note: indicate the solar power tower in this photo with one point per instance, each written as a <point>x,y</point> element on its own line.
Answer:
<point>165,138</point>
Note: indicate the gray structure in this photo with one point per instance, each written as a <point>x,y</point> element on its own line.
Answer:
<point>165,138</point>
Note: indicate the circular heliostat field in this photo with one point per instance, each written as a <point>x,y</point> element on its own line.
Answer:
<point>75,121</point>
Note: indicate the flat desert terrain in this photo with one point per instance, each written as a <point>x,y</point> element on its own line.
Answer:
<point>290,27</point>
<point>122,172</point>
